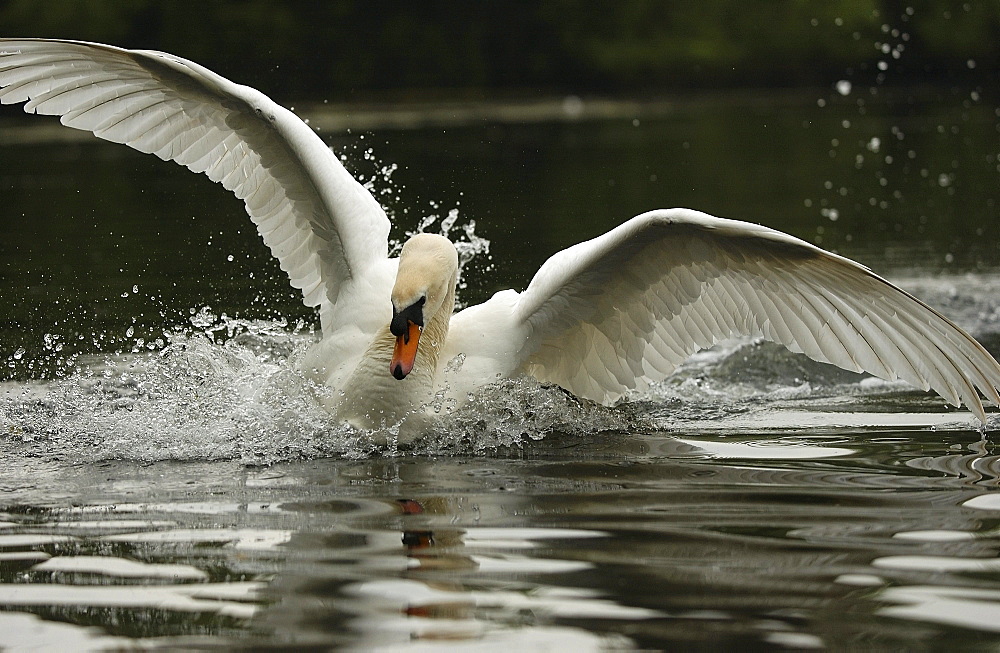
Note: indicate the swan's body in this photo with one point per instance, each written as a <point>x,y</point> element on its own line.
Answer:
<point>600,319</point>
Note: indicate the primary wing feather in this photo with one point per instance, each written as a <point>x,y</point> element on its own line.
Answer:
<point>625,309</point>
<point>325,229</point>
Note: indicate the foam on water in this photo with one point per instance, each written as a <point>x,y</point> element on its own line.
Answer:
<point>228,389</point>
<point>232,389</point>
<point>204,397</point>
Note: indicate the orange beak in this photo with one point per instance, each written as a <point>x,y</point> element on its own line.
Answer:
<point>404,354</point>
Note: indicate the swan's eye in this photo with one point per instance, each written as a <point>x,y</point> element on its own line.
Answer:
<point>413,313</point>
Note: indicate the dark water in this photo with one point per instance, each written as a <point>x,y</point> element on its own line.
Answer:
<point>863,539</point>
<point>168,482</point>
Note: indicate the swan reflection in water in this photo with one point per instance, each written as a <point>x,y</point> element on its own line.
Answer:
<point>672,538</point>
<point>478,585</point>
<point>706,529</point>
<point>602,319</point>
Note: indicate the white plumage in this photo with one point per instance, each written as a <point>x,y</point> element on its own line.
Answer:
<point>601,318</point>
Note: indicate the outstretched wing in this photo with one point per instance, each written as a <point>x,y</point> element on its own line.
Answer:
<point>324,228</point>
<point>623,310</point>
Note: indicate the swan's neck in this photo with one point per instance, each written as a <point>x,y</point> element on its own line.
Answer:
<point>372,398</point>
<point>434,334</point>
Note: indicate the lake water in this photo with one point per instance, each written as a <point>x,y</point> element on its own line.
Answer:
<point>167,480</point>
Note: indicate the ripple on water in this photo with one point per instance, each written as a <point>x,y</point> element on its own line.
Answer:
<point>966,607</point>
<point>120,567</point>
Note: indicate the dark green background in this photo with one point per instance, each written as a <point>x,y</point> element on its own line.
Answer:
<point>347,50</point>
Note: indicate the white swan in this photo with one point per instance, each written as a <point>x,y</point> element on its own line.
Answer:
<point>601,318</point>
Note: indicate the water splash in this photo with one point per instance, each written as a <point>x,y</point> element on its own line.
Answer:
<point>472,248</point>
<point>229,389</point>
<point>226,388</point>
<point>208,396</point>
<point>896,168</point>
<point>514,411</point>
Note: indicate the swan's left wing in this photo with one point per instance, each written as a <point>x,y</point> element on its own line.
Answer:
<point>623,310</point>
<point>325,229</point>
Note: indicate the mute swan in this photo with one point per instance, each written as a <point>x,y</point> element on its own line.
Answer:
<point>599,319</point>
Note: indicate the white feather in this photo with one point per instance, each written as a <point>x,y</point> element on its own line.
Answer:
<point>705,279</point>
<point>178,110</point>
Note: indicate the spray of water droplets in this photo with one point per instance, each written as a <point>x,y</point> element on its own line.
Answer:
<point>232,389</point>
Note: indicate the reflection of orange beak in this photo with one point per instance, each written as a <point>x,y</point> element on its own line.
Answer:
<point>405,352</point>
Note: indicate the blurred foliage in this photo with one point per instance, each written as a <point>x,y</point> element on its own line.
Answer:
<point>474,47</point>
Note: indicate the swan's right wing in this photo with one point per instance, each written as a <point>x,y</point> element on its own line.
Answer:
<point>325,229</point>
<point>625,309</point>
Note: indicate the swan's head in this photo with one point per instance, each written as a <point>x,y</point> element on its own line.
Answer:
<point>425,284</point>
